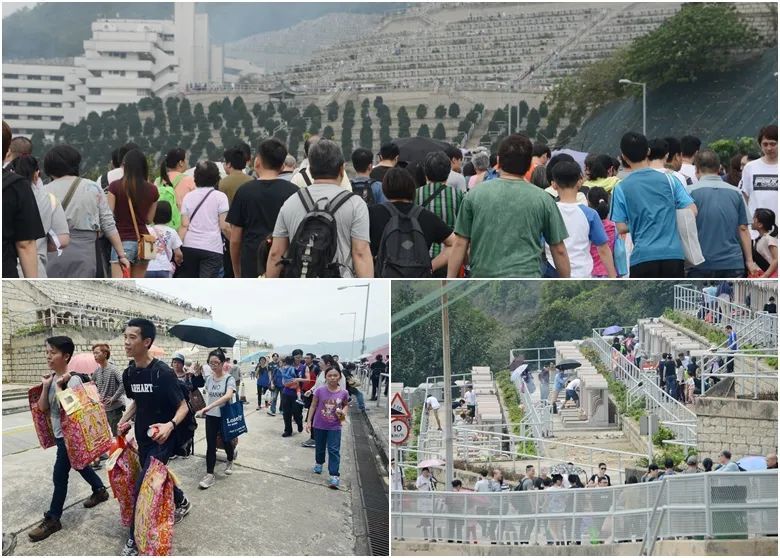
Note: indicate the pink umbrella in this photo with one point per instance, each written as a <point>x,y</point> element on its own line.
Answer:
<point>83,363</point>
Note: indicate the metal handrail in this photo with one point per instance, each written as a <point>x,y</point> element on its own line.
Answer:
<point>735,503</point>
<point>728,356</point>
<point>671,412</point>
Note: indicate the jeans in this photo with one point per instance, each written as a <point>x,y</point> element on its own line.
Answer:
<point>671,386</point>
<point>161,452</point>
<point>291,410</point>
<point>274,399</point>
<point>131,251</point>
<point>60,475</point>
<point>695,273</point>
<point>330,440</point>
<point>214,427</point>
<point>658,268</point>
<point>260,392</point>
<point>361,401</point>
<point>157,274</point>
<point>549,272</point>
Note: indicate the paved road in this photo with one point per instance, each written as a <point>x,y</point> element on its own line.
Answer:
<point>271,505</point>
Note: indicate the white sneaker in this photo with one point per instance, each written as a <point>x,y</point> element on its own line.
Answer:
<point>207,481</point>
<point>229,468</point>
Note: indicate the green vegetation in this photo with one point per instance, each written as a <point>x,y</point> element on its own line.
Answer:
<point>700,39</point>
<point>411,455</point>
<point>616,389</point>
<point>33,329</point>
<point>713,334</point>
<point>513,410</point>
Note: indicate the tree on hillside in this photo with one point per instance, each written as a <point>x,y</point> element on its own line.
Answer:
<point>423,131</point>
<point>364,108</point>
<point>567,134</point>
<point>439,132</point>
<point>366,134</point>
<point>534,118</point>
<point>543,110</point>
<point>333,111</point>
<point>404,123</point>
<point>454,110</point>
<point>422,111</point>
<point>148,130</point>
<point>384,135</point>
<point>378,102</point>
<point>440,112</point>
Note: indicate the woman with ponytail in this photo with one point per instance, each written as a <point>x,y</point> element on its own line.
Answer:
<point>133,188</point>
<point>598,200</point>
<point>765,247</point>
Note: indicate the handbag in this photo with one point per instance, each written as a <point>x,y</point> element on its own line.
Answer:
<point>196,400</point>
<point>689,234</point>
<point>232,419</point>
<point>41,420</point>
<point>145,241</point>
<point>154,510</point>
<point>621,256</point>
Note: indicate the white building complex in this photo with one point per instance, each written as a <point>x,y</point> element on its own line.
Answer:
<point>124,61</point>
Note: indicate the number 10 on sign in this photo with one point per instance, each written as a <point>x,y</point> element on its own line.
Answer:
<point>399,431</point>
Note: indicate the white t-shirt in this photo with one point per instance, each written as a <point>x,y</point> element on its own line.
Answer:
<point>457,181</point>
<point>423,484</point>
<point>115,174</point>
<point>167,240</point>
<point>763,244</point>
<point>584,226</point>
<point>482,485</point>
<point>204,232</point>
<point>433,402</point>
<point>688,171</point>
<point>574,384</point>
<point>216,389</point>
<point>759,182</point>
<point>471,398</point>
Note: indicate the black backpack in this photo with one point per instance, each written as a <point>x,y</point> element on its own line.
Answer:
<point>403,251</point>
<point>313,248</point>
<point>363,189</point>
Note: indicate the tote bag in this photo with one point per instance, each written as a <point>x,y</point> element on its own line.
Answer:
<point>232,418</point>
<point>689,234</point>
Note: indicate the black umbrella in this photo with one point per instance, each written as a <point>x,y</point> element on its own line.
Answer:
<point>516,363</point>
<point>568,364</point>
<point>414,150</point>
<point>206,333</point>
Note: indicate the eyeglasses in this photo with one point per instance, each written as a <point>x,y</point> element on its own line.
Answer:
<point>603,468</point>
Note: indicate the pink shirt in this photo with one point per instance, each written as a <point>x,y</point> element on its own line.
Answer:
<point>599,269</point>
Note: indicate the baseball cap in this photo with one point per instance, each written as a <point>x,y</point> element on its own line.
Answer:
<point>178,356</point>
<point>692,460</point>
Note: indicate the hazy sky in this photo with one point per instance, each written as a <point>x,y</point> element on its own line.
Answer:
<point>11,7</point>
<point>285,312</point>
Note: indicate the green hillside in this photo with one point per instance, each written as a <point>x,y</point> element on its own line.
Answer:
<point>65,25</point>
<point>728,105</point>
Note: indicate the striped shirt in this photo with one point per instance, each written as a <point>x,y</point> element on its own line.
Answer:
<point>109,385</point>
<point>445,206</point>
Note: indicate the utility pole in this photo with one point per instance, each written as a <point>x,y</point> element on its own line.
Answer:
<point>445,331</point>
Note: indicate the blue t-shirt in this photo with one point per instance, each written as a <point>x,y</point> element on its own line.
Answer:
<point>289,373</point>
<point>647,201</point>
<point>721,210</point>
<point>732,341</point>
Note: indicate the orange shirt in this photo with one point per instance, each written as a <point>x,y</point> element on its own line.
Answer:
<point>184,187</point>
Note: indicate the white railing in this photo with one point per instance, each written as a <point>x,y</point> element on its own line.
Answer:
<point>671,413</point>
<point>693,302</point>
<point>432,382</point>
<point>751,379</point>
<point>695,505</point>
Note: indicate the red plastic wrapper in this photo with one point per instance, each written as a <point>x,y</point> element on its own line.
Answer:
<point>84,424</point>
<point>123,469</point>
<point>154,511</point>
<point>41,420</point>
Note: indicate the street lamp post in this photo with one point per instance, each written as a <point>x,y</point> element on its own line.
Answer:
<point>365,316</point>
<point>644,101</point>
<point>354,319</point>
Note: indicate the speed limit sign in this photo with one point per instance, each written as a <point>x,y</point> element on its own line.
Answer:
<point>399,431</point>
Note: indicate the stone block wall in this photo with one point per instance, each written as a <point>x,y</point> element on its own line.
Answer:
<point>743,426</point>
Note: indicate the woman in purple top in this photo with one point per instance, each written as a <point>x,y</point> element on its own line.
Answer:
<point>329,404</point>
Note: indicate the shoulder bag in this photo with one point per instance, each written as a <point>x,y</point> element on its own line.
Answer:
<point>145,241</point>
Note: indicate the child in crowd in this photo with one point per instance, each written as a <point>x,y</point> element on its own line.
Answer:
<point>167,245</point>
<point>582,223</point>
<point>766,246</point>
<point>598,200</point>
<point>329,404</point>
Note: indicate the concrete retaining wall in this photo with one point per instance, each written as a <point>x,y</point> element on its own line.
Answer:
<point>743,426</point>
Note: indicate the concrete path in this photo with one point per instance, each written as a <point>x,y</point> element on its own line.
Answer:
<point>271,505</point>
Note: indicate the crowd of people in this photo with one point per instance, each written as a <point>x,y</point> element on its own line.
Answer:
<point>160,403</point>
<point>666,208</point>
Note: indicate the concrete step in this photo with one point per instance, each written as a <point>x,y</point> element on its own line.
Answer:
<point>14,406</point>
<point>14,393</point>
